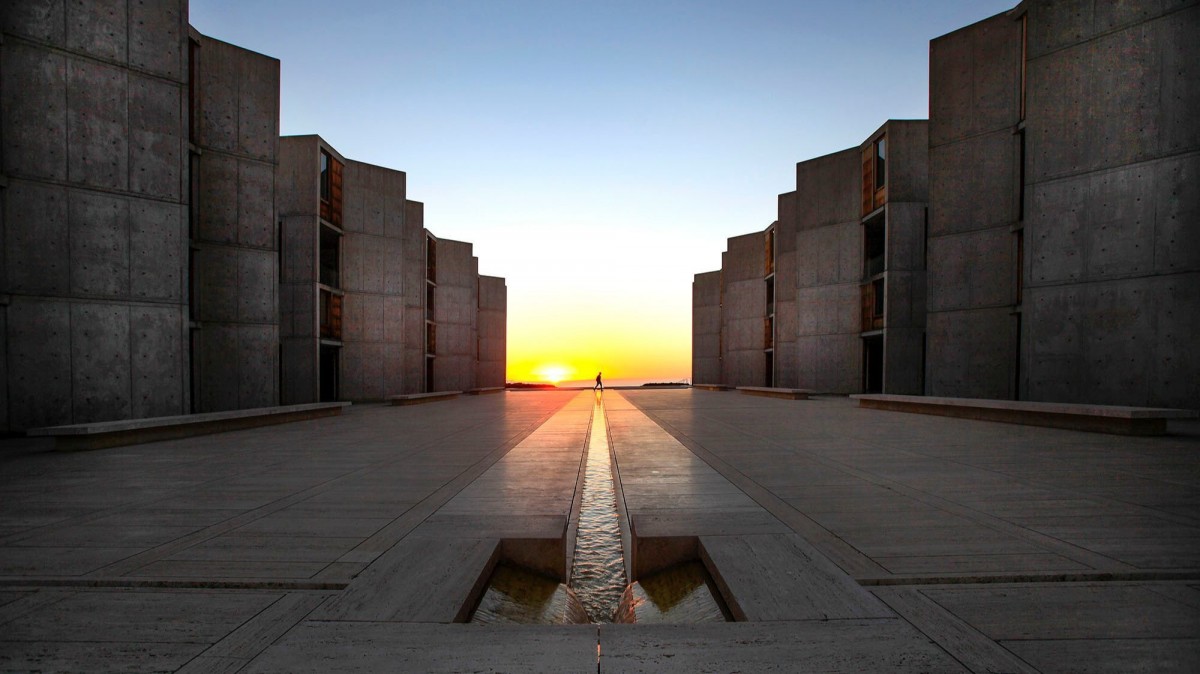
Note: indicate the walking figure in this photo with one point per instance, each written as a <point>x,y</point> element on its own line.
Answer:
<point>599,384</point>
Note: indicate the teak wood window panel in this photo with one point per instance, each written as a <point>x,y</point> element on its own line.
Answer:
<point>872,305</point>
<point>874,174</point>
<point>331,315</point>
<point>331,189</point>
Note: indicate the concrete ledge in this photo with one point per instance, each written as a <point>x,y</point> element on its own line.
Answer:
<point>713,387</point>
<point>419,398</point>
<point>1079,417</point>
<point>772,392</point>
<point>102,434</point>
<point>484,391</point>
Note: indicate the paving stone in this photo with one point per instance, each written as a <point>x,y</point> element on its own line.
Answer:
<point>813,646</point>
<point>782,577</point>
<point>1118,656</point>
<point>320,647</point>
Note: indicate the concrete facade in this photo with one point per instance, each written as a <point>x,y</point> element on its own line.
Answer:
<point>93,309</point>
<point>706,328</point>
<point>143,202</point>
<point>1040,239</point>
<point>1111,296</point>
<point>456,307</point>
<point>974,171</point>
<point>234,336</point>
<point>357,323</point>
<point>793,303</point>
<point>491,332</point>
<point>743,311</point>
<point>828,273</point>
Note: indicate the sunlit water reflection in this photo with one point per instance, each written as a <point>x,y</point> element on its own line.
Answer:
<point>598,574</point>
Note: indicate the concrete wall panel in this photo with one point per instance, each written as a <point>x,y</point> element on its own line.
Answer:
<point>98,29</point>
<point>35,236</point>
<point>217,219</point>
<point>100,362</point>
<point>39,363</point>
<point>34,96</point>
<point>1179,95</point>
<point>258,357</point>
<point>970,270</point>
<point>221,383</point>
<point>155,33</point>
<point>256,204</point>
<point>908,160</point>
<point>258,105</point>
<point>970,353</point>
<point>97,125</point>
<point>217,272</point>
<point>99,250</point>
<point>156,143</point>
<point>156,248</point>
<point>1176,204</point>
<point>43,20</point>
<point>972,183</point>
<point>257,286</point>
<point>974,80</point>
<point>157,360</point>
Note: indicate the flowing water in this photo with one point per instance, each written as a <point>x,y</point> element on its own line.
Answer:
<point>598,591</point>
<point>598,574</point>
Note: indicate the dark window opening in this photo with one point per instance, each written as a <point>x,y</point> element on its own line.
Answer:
<point>430,339</point>
<point>771,296</point>
<point>326,173</point>
<point>874,246</point>
<point>428,375</point>
<point>330,356</point>
<point>430,295</point>
<point>330,257</point>
<point>873,364</point>
<point>769,380</point>
<point>768,332</point>
<point>877,290</point>
<point>880,162</point>
<point>430,259</point>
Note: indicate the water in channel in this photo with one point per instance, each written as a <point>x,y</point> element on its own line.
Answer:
<point>597,590</point>
<point>598,574</point>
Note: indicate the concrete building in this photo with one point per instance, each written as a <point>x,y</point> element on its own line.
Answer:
<point>233,264</point>
<point>830,297</point>
<point>141,272</point>
<point>1063,252</point>
<point>373,304</point>
<point>94,313</point>
<point>1060,260</point>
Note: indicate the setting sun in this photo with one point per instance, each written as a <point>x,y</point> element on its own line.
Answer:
<point>553,373</point>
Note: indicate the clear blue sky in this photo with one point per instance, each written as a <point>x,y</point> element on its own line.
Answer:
<point>597,153</point>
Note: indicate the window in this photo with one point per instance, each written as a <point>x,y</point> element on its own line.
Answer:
<point>880,161</point>
<point>330,257</point>
<point>874,245</point>
<point>878,291</point>
<point>431,259</point>
<point>325,174</point>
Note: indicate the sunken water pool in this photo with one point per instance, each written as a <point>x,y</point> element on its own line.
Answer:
<point>598,590</point>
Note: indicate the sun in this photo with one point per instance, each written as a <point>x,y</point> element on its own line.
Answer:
<point>552,373</point>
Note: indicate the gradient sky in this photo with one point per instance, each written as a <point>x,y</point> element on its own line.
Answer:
<point>597,153</point>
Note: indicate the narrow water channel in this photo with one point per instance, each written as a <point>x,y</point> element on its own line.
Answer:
<point>598,590</point>
<point>598,573</point>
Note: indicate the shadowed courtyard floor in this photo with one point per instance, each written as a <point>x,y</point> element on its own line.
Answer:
<point>843,540</point>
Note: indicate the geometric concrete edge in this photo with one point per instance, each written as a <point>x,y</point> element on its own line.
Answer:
<point>713,387</point>
<point>1095,418</point>
<point>419,398</point>
<point>100,435</point>
<point>773,392</point>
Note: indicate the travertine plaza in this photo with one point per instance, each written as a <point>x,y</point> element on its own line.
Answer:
<point>1020,255</point>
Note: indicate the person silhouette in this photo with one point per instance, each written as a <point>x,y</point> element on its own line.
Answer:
<point>599,383</point>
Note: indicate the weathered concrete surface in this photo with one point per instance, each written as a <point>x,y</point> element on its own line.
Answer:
<point>706,327</point>
<point>939,544</point>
